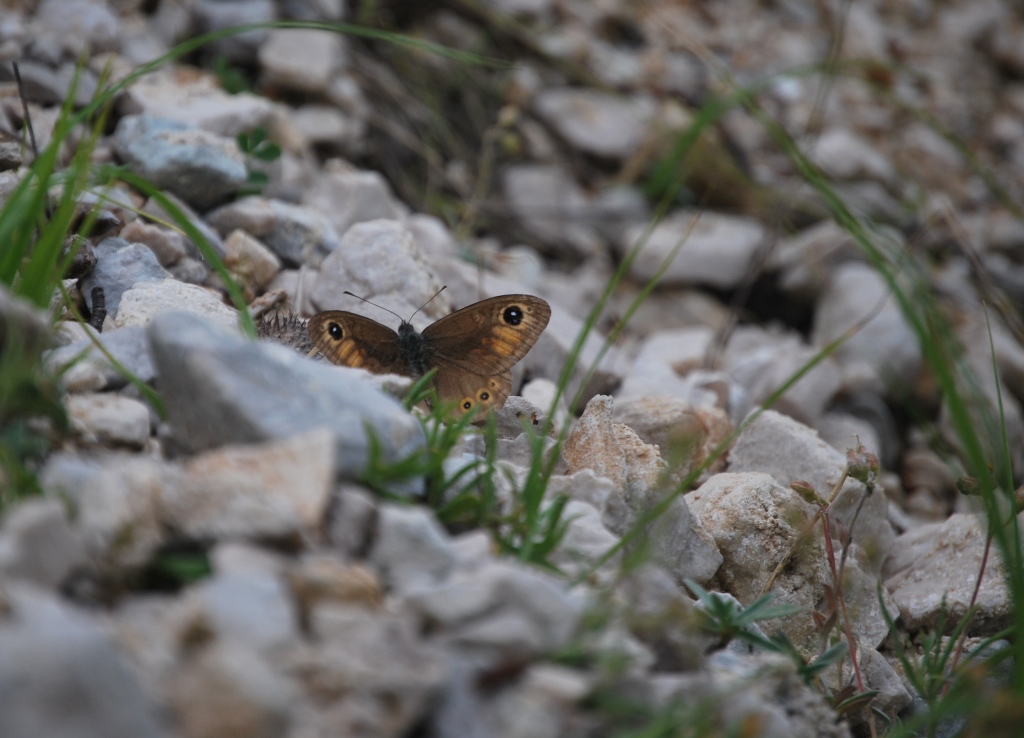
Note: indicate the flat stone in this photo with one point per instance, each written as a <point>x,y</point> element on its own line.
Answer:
<point>108,419</point>
<point>147,300</point>
<point>275,489</point>
<point>167,245</point>
<point>598,123</point>
<point>551,206</point>
<point>932,570</point>
<point>886,345</point>
<point>196,99</point>
<point>116,504</point>
<point>91,371</point>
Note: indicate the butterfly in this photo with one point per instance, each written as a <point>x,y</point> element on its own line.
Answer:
<point>473,349</point>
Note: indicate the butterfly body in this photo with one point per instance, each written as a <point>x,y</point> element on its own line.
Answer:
<point>473,349</point>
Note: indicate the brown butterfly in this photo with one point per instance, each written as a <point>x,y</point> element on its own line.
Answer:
<point>473,349</point>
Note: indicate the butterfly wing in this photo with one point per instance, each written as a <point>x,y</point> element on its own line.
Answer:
<point>475,348</point>
<point>352,340</point>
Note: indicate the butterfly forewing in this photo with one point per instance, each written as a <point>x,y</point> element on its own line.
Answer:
<point>351,340</point>
<point>490,336</point>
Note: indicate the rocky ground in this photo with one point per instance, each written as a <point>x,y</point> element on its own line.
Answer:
<point>536,167</point>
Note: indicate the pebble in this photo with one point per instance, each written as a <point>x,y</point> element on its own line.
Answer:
<point>119,266</point>
<point>303,60</point>
<point>713,249</point>
<point>297,234</point>
<point>200,167</point>
<point>347,197</point>
<point>39,544</point>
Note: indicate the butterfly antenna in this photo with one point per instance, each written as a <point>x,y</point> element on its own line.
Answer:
<point>353,294</point>
<point>428,301</point>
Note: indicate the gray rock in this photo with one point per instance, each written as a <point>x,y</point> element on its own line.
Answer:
<point>411,548</point>
<point>326,126</point>
<point>586,541</point>
<point>842,154</point>
<point>251,263</point>
<point>346,197</point>
<point>108,419</point>
<point>326,10</point>
<point>763,689</point>
<point>168,246</point>
<point>10,156</point>
<point>932,571</point>
<point>60,676</point>
<point>200,102</point>
<point>216,15</point>
<point>220,389</point>
<point>499,610</point>
<point>252,608</point>
<point>21,318</point>
<point>596,122</point>
<point>146,300</point>
<point>83,26</point>
<point>806,259</point>
<point>37,543</point>
<point>551,206</point>
<point>116,503</point>
<point>209,234</point>
<point>353,520</point>
<point>119,265</point>
<point>191,271</point>
<point>276,489</point>
<point>380,261</point>
<point>200,167</point>
<point>612,450</point>
<point>885,346</point>
<point>755,523</point>
<point>48,86</point>
<point>761,362</point>
<point>714,249</point>
<point>304,60</point>
<point>298,234</point>
<point>227,690</point>
<point>789,451</point>
<point>371,667</point>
